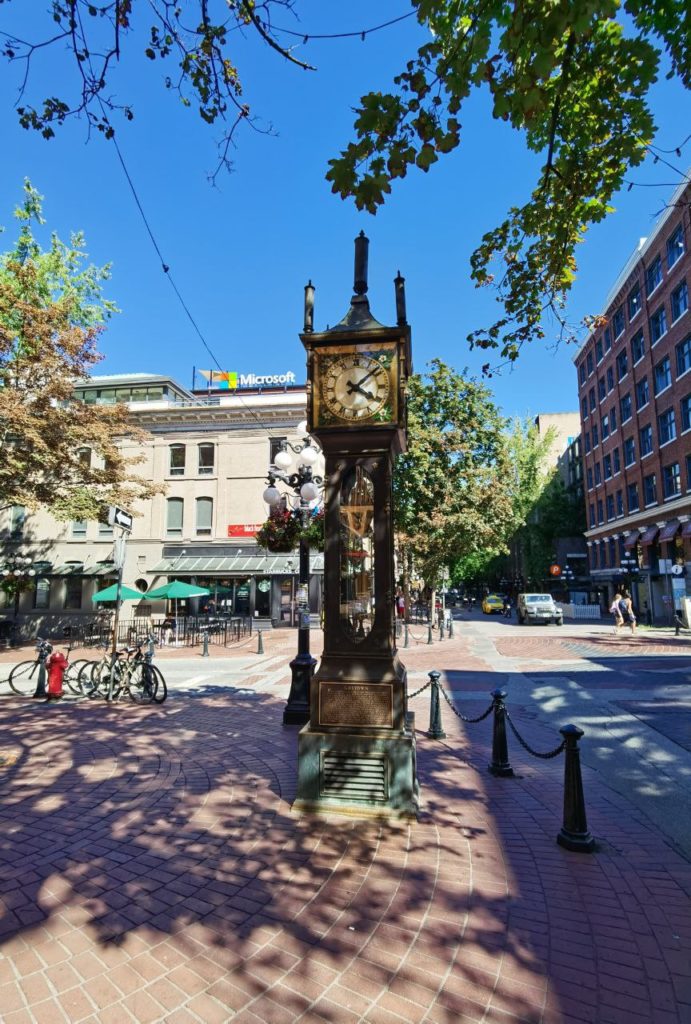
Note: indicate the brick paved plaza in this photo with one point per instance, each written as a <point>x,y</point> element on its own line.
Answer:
<point>152,869</point>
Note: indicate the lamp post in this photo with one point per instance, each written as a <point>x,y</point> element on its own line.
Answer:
<point>16,577</point>
<point>305,488</point>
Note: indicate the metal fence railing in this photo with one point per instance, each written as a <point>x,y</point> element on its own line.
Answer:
<point>186,632</point>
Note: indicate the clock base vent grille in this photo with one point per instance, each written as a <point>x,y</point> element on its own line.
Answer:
<point>354,778</point>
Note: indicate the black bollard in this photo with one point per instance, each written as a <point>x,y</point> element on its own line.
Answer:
<point>205,648</point>
<point>429,635</point>
<point>406,642</point>
<point>574,833</point>
<point>450,629</point>
<point>40,691</point>
<point>441,629</point>
<point>500,751</point>
<point>260,642</point>
<point>435,731</point>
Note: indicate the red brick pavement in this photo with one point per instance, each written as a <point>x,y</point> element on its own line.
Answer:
<point>152,870</point>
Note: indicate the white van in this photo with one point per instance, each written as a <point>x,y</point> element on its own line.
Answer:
<point>539,608</point>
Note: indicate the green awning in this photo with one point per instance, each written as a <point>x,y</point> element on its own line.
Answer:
<point>241,564</point>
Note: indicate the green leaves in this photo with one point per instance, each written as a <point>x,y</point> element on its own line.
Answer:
<point>566,75</point>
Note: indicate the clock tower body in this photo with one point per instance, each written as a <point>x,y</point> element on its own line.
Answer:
<point>357,753</point>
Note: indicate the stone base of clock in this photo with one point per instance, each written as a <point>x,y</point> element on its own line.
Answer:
<point>366,775</point>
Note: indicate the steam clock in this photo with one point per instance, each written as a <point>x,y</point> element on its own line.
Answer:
<point>357,752</point>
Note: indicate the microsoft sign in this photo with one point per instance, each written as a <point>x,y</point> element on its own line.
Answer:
<point>231,380</point>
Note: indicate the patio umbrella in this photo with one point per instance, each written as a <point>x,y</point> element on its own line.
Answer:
<point>111,594</point>
<point>176,591</point>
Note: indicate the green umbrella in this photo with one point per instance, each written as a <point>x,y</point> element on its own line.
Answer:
<point>176,591</point>
<point>111,594</point>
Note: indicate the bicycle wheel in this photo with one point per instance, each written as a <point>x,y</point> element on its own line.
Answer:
<point>161,690</point>
<point>101,679</point>
<point>24,677</point>
<point>71,676</point>
<point>85,680</point>
<point>141,685</point>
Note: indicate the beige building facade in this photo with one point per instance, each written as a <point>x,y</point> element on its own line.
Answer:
<point>211,452</point>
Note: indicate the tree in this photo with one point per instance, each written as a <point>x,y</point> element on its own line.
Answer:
<point>574,77</point>
<point>56,452</point>
<point>450,496</point>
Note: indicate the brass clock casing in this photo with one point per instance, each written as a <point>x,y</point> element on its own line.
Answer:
<point>356,385</point>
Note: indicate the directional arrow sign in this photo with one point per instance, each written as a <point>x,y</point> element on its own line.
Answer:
<point>118,517</point>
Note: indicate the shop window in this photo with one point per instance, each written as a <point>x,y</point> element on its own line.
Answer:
<point>73,593</point>
<point>204,516</point>
<point>206,459</point>
<point>177,459</point>
<point>671,480</point>
<point>174,513</point>
<point>653,275</point>
<point>675,246</point>
<point>42,593</point>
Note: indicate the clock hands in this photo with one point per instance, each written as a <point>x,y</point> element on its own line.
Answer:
<point>358,387</point>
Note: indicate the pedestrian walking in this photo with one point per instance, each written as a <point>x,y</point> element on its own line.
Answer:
<point>627,613</point>
<point>615,611</point>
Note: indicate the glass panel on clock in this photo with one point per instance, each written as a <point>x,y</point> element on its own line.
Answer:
<point>357,554</point>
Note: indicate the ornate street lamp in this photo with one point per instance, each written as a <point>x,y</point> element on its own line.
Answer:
<point>304,488</point>
<point>17,576</point>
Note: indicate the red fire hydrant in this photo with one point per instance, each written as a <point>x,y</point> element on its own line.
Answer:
<point>56,665</point>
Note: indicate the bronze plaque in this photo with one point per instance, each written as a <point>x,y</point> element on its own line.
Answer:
<point>357,704</point>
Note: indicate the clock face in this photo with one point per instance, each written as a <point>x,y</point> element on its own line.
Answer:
<point>356,385</point>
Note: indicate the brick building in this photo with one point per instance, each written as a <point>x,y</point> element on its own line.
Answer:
<point>634,386</point>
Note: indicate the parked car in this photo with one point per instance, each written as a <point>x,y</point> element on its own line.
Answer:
<point>533,608</point>
<point>493,604</point>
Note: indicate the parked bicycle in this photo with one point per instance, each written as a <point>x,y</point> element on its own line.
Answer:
<point>129,672</point>
<point>23,678</point>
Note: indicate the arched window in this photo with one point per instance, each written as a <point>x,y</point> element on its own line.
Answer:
<point>206,458</point>
<point>177,459</point>
<point>174,510</point>
<point>204,517</point>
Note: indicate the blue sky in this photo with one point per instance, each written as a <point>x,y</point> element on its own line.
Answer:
<point>241,253</point>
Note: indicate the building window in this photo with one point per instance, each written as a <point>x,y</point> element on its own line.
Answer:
<point>78,530</point>
<point>581,374</point>
<point>593,556</point>
<point>598,350</point>
<point>622,364</point>
<point>600,511</point>
<point>177,459</point>
<point>584,409</point>
<point>666,427</point>
<point>634,301</point>
<point>688,472</point>
<point>680,300</point>
<point>617,464</point>
<point>625,405</point>
<point>608,339</point>
<point>205,512</point>
<point>632,497</point>
<point>605,427</point>
<point>610,506</point>
<point>42,594</point>
<point>589,478</point>
<point>104,531</point>
<point>601,389</point>
<point>620,503</point>
<point>613,418</point>
<point>17,521</point>
<point>653,276</point>
<point>675,246</point>
<point>607,466</point>
<point>591,515</point>
<point>642,393</point>
<point>586,442</point>
<point>596,439</point>
<point>671,480</point>
<point>589,363</point>
<point>618,322</point>
<point>603,555</point>
<point>629,451</point>
<point>683,351</point>
<point>591,399</point>
<point>610,378</point>
<point>637,347</point>
<point>73,593</point>
<point>174,510</point>
<point>686,412</point>
<point>275,446</point>
<point>662,376</point>
<point>645,435</point>
<point>598,474</point>
<point>206,459</point>
<point>658,325</point>
<point>649,490</point>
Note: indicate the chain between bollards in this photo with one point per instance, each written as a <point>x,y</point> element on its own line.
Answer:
<point>260,642</point>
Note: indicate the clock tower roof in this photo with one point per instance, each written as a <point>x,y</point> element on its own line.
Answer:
<point>359,316</point>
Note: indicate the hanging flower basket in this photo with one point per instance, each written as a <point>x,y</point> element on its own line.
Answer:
<point>314,531</point>
<point>280,533</point>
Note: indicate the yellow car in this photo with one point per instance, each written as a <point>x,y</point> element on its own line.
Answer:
<point>493,604</point>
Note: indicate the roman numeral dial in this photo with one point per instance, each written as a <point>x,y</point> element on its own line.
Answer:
<point>356,386</point>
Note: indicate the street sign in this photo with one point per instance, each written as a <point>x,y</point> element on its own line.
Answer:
<point>118,517</point>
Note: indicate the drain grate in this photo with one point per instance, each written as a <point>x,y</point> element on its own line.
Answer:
<point>354,778</point>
